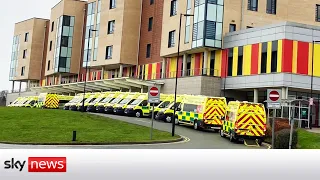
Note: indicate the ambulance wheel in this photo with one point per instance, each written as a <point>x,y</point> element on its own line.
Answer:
<point>222,133</point>
<point>168,119</point>
<point>260,141</point>
<point>231,138</point>
<point>177,121</point>
<point>196,125</point>
<point>138,114</point>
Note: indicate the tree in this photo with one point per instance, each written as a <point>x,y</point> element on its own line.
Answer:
<point>3,98</point>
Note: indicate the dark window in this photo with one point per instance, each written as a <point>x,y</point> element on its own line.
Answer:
<point>190,108</point>
<point>151,2</point>
<point>52,26</point>
<point>264,56</point>
<point>48,68</point>
<point>50,46</point>
<point>318,12</point>
<point>212,62</point>
<point>112,4</point>
<point>64,41</point>
<point>240,61</point>
<point>144,103</point>
<point>109,52</point>
<point>66,21</point>
<point>173,8</point>
<point>230,62</point>
<point>232,27</point>
<point>62,62</point>
<point>150,24</point>
<point>210,30</point>
<point>274,56</point>
<point>272,6</point>
<point>171,39</point>
<point>148,51</point>
<point>253,5</point>
<point>22,70</point>
<point>249,27</point>
<point>24,54</point>
<point>111,27</point>
<point>26,37</point>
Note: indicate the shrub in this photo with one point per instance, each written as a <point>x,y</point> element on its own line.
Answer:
<point>279,125</point>
<point>282,138</point>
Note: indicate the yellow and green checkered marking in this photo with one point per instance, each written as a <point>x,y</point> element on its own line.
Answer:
<point>189,116</point>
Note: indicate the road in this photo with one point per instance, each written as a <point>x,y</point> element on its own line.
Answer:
<point>194,139</point>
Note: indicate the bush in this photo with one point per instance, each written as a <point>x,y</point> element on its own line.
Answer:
<point>279,125</point>
<point>282,138</point>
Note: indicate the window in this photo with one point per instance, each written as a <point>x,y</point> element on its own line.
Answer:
<point>24,54</point>
<point>272,6</point>
<point>249,27</point>
<point>26,37</point>
<point>148,51</point>
<point>112,4</point>
<point>190,108</point>
<point>52,26</point>
<point>173,8</point>
<point>150,24</point>
<point>151,2</point>
<point>230,62</point>
<point>109,52</point>
<point>318,12</point>
<point>64,41</point>
<point>240,61</point>
<point>23,70</point>
<point>48,68</point>
<point>232,27</point>
<point>264,56</point>
<point>253,5</point>
<point>50,46</point>
<point>171,39</point>
<point>111,27</point>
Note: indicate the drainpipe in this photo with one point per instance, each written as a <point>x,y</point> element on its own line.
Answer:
<point>242,14</point>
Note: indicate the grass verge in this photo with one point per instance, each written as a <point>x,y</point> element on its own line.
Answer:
<point>44,126</point>
<point>308,140</point>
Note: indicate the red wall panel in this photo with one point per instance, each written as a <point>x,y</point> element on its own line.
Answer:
<point>287,55</point>
<point>224,63</point>
<point>254,59</point>
<point>303,56</point>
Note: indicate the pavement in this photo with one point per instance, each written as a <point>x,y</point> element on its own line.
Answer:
<point>314,130</point>
<point>193,139</point>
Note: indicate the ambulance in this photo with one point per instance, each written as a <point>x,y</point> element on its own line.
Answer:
<point>31,102</point>
<point>166,113</point>
<point>100,107</point>
<point>141,108</point>
<point>244,120</point>
<point>109,107</point>
<point>15,102</point>
<point>52,101</point>
<point>74,106</point>
<point>201,112</point>
<point>89,99</point>
<point>92,106</point>
<point>120,107</point>
<point>73,101</point>
<point>20,101</point>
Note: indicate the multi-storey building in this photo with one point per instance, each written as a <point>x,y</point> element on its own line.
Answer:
<point>231,48</point>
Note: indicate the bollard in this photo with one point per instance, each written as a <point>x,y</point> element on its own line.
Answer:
<point>74,136</point>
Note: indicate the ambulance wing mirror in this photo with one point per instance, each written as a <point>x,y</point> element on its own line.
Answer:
<point>178,109</point>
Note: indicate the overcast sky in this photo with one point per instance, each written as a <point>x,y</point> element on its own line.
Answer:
<point>10,13</point>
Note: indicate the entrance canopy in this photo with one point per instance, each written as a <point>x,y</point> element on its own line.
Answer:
<point>117,84</point>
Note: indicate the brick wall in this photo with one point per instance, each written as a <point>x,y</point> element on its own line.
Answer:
<point>151,37</point>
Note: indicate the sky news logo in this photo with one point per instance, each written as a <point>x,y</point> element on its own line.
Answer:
<point>38,164</point>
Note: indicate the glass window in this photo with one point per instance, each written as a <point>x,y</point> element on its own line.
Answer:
<point>24,54</point>
<point>64,52</point>
<point>150,24</point>
<point>111,27</point>
<point>253,5</point>
<point>89,8</point>
<point>64,41</point>
<point>173,8</point>
<point>148,51</point>
<point>69,52</point>
<point>190,108</point>
<point>109,52</point>
<point>187,35</point>
<point>26,37</point>
<point>151,2</point>
<point>52,26</point>
<point>48,67</point>
<point>70,42</point>
<point>99,6</point>
<point>23,70</point>
<point>112,4</point>
<point>272,6</point>
<point>318,12</point>
<point>171,40</point>
<point>232,27</point>
<point>72,21</point>
<point>66,21</point>
<point>200,30</point>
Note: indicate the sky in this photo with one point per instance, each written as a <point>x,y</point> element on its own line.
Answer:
<point>10,13</point>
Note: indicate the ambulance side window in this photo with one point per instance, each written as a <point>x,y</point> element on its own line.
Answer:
<point>190,108</point>
<point>144,103</point>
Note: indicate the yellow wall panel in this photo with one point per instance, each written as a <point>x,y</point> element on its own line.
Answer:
<point>235,61</point>
<point>209,63</point>
<point>316,60</point>
<point>193,64</point>
<point>217,63</point>
<point>294,57</point>
<point>269,54</point>
<point>154,71</point>
<point>173,67</point>
<point>310,59</point>
<point>247,60</point>
<point>279,59</point>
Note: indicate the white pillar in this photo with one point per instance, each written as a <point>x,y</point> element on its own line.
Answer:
<point>28,85</point>
<point>20,88</point>
<point>163,74</point>
<point>12,86</point>
<point>142,90</point>
<point>60,79</point>
<point>284,93</point>
<point>87,75</point>
<point>205,62</point>
<point>120,71</point>
<point>184,65</point>
<point>102,73</point>
<point>130,90</point>
<point>256,95</point>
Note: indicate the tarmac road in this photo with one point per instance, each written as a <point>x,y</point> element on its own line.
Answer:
<point>193,139</point>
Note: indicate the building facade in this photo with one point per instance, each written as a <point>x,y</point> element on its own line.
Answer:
<point>230,48</point>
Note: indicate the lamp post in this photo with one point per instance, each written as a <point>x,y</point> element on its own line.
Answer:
<point>85,79</point>
<point>173,119</point>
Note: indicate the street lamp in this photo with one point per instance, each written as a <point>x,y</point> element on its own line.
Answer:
<point>311,89</point>
<point>85,79</point>
<point>173,120</point>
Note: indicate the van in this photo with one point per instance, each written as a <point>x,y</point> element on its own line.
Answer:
<point>89,99</point>
<point>73,101</point>
<point>166,113</point>
<point>92,106</point>
<point>19,102</point>
<point>31,102</point>
<point>244,120</point>
<point>100,107</point>
<point>165,103</point>
<point>201,112</point>
<point>74,106</point>
<point>15,102</point>
<point>109,107</point>
<point>122,105</point>
<point>52,101</point>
